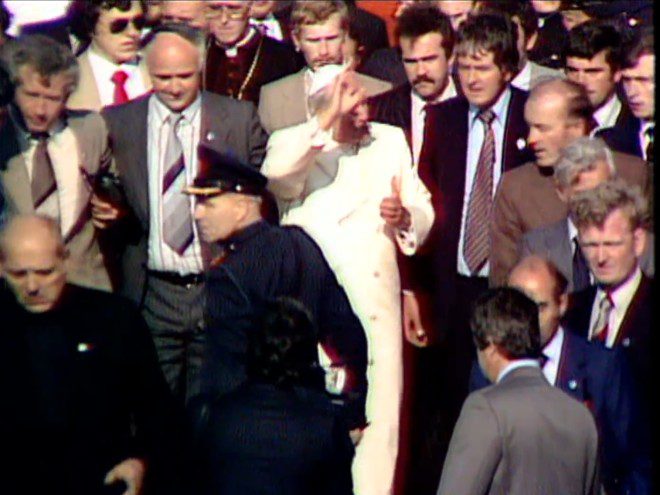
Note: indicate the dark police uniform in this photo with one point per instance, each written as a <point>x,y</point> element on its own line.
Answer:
<point>261,263</point>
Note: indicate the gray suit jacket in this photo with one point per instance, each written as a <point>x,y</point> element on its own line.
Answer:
<point>522,436</point>
<point>87,265</point>
<point>227,124</point>
<point>86,95</point>
<point>552,242</point>
<point>282,102</point>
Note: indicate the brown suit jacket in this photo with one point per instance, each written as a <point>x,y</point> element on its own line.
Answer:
<point>282,102</point>
<point>526,199</point>
<point>86,95</point>
<point>87,265</point>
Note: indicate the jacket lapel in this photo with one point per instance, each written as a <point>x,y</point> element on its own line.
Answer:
<point>14,171</point>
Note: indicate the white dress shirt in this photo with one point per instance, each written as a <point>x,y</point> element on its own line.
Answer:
<point>607,114</point>
<point>643,138</point>
<point>161,257</point>
<point>418,117</point>
<point>514,365</point>
<point>104,69</point>
<point>621,297</point>
<point>475,140</point>
<point>552,352</point>
<point>65,157</point>
<point>523,79</point>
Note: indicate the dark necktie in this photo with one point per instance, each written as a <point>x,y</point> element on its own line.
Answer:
<point>476,244</point>
<point>177,219</point>
<point>649,147</point>
<point>543,360</point>
<point>43,183</point>
<point>120,95</point>
<point>581,277</point>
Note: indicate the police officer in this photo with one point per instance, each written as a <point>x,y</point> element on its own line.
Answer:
<point>260,262</point>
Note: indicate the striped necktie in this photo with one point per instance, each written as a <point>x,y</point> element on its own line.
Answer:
<point>601,325</point>
<point>476,244</point>
<point>43,184</point>
<point>177,219</point>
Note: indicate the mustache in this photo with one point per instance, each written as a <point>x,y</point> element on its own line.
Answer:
<point>422,79</point>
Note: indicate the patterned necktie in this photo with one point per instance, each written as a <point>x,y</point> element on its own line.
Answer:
<point>581,279</point>
<point>649,146</point>
<point>43,176</point>
<point>476,244</point>
<point>119,96</point>
<point>600,328</point>
<point>177,220</point>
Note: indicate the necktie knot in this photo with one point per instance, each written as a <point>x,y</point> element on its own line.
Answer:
<point>119,77</point>
<point>175,119</point>
<point>40,136</point>
<point>487,117</point>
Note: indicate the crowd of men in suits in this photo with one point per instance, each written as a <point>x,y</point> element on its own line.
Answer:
<point>466,216</point>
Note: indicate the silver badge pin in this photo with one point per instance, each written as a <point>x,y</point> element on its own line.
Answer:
<point>521,143</point>
<point>625,342</point>
<point>572,384</point>
<point>84,347</point>
<point>210,136</point>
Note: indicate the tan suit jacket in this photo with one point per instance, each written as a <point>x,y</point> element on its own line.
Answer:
<point>526,199</point>
<point>86,264</point>
<point>86,95</point>
<point>282,102</point>
<point>522,436</point>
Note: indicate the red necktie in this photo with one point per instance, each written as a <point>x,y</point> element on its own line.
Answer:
<point>120,96</point>
<point>601,326</point>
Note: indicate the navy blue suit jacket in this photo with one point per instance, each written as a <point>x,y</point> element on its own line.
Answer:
<point>442,168</point>
<point>600,378</point>
<point>624,137</point>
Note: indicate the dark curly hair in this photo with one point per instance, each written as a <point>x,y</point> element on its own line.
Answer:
<point>282,348</point>
<point>5,17</point>
<point>509,319</point>
<point>84,14</point>
<point>6,86</point>
<point>592,37</point>
<point>422,18</point>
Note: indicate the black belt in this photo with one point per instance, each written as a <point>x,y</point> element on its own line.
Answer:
<point>176,278</point>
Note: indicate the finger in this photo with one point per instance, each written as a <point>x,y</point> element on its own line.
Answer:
<point>396,186</point>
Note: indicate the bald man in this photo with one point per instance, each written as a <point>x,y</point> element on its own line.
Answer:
<point>595,376</point>
<point>80,372</point>
<point>152,137</point>
<point>557,113</point>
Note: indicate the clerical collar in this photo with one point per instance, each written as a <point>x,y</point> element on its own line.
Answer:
<point>232,51</point>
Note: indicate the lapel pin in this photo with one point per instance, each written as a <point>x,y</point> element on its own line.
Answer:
<point>210,136</point>
<point>625,342</point>
<point>521,143</point>
<point>572,384</point>
<point>84,347</point>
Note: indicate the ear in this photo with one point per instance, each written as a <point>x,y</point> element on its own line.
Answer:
<point>531,41</point>
<point>563,304</point>
<point>639,241</point>
<point>617,76</point>
<point>296,40</point>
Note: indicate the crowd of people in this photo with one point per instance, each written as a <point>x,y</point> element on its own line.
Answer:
<point>260,247</point>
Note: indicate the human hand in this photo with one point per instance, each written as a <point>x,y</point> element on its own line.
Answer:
<point>104,213</point>
<point>346,94</point>
<point>130,471</point>
<point>392,210</point>
<point>413,328</point>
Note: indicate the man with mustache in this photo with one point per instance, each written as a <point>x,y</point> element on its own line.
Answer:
<point>319,30</point>
<point>111,71</point>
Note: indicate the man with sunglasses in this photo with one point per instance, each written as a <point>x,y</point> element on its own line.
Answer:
<point>111,72</point>
<point>240,59</point>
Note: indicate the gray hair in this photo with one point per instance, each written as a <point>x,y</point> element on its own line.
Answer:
<point>45,55</point>
<point>581,156</point>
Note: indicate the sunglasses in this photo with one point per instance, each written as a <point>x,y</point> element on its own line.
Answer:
<point>119,25</point>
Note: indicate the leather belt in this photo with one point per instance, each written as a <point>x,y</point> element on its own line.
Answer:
<point>176,278</point>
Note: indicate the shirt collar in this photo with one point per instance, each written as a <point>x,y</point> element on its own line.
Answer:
<point>449,92</point>
<point>607,111</point>
<point>524,77</point>
<point>499,108</point>
<point>160,112</point>
<point>514,365</point>
<point>572,230</point>
<point>19,123</point>
<point>623,294</point>
<point>100,61</point>
<point>552,349</point>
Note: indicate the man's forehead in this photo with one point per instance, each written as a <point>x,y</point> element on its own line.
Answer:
<point>475,54</point>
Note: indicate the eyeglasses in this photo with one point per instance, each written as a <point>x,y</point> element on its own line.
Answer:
<point>232,12</point>
<point>119,25</point>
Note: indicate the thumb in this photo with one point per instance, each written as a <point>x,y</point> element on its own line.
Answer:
<point>396,186</point>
